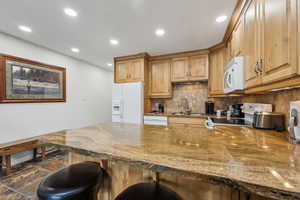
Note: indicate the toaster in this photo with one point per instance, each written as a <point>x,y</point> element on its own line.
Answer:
<point>268,120</point>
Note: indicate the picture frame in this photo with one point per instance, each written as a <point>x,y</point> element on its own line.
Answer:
<point>27,81</point>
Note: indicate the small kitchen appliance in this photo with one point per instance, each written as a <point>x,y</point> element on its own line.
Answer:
<point>234,76</point>
<point>209,108</point>
<point>294,124</point>
<point>250,108</point>
<point>268,120</point>
<point>212,122</point>
<point>236,111</point>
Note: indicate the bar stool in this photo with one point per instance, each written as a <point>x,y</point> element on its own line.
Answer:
<point>148,191</point>
<point>75,182</point>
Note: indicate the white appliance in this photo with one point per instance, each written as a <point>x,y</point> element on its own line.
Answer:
<point>294,124</point>
<point>234,76</point>
<point>250,108</point>
<point>128,103</point>
<point>156,120</point>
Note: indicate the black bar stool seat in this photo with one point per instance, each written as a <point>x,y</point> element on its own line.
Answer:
<point>75,182</point>
<point>148,191</point>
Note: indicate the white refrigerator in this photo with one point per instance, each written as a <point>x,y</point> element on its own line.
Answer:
<point>128,103</point>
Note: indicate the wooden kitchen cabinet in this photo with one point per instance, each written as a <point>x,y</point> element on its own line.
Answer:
<point>198,68</point>
<point>252,44</point>
<point>238,39</point>
<point>180,69</point>
<point>160,79</point>
<point>137,70</point>
<point>279,60</point>
<point>194,68</point>
<point>186,121</point>
<point>130,71</point>
<point>270,39</point>
<point>217,64</point>
<point>131,68</point>
<point>122,72</point>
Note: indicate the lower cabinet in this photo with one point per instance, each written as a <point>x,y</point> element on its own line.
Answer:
<point>121,175</point>
<point>186,121</point>
<point>160,79</point>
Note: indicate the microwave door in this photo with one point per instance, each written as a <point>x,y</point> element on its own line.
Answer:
<point>228,81</point>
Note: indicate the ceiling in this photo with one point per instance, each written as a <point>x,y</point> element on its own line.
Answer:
<point>189,25</point>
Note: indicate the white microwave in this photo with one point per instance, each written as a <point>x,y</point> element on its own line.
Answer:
<point>234,81</point>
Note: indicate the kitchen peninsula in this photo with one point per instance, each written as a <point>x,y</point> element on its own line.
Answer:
<point>197,163</point>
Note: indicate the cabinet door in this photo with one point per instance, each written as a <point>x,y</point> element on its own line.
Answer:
<point>237,38</point>
<point>198,66</point>
<point>279,39</point>
<point>122,72</point>
<point>252,45</point>
<point>217,63</point>
<point>160,79</point>
<point>137,70</point>
<point>180,69</point>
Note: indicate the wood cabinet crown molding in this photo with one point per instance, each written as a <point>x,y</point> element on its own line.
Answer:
<point>131,57</point>
<point>238,11</point>
<point>180,54</point>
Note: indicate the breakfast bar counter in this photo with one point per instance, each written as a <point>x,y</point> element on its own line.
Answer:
<point>255,161</point>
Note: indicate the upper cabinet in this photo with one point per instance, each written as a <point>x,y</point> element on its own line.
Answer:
<point>198,68</point>
<point>237,39</point>
<point>160,79</point>
<point>131,68</point>
<point>217,63</point>
<point>252,43</point>
<point>279,60</point>
<point>122,71</point>
<point>270,37</point>
<point>193,68</point>
<point>180,69</point>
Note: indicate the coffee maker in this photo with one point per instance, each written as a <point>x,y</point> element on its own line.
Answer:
<point>209,108</point>
<point>236,111</point>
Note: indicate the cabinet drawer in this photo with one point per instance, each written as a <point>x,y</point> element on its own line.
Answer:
<point>189,121</point>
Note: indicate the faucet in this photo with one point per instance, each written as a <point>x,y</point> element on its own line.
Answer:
<point>186,108</point>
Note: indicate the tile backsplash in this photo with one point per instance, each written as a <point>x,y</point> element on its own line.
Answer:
<point>195,93</point>
<point>280,100</point>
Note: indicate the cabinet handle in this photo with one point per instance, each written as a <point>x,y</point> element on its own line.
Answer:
<point>260,67</point>
<point>256,68</point>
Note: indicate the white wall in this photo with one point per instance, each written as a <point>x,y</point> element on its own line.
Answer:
<point>88,96</point>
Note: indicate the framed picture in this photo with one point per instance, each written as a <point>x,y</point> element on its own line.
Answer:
<point>27,81</point>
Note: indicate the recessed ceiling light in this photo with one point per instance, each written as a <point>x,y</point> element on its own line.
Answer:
<point>25,28</point>
<point>75,50</point>
<point>160,32</point>
<point>70,12</point>
<point>221,19</point>
<point>109,64</point>
<point>114,42</point>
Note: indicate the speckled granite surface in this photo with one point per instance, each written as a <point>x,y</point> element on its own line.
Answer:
<point>259,161</point>
<point>202,116</point>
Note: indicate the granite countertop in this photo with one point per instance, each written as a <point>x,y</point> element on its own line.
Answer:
<point>258,161</point>
<point>204,116</point>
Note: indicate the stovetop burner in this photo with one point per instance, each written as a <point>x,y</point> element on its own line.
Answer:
<point>231,121</point>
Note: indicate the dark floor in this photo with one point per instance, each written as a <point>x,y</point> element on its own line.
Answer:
<point>22,182</point>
